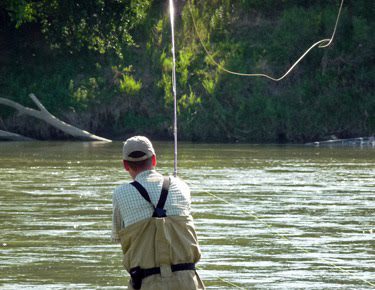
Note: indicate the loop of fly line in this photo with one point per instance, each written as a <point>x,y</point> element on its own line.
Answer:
<point>320,44</point>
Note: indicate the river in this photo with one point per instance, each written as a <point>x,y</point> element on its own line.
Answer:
<point>268,217</point>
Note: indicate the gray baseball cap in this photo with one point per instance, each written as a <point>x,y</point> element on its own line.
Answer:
<point>137,144</point>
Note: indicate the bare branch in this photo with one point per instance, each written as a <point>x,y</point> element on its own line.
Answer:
<point>46,116</point>
<point>37,102</point>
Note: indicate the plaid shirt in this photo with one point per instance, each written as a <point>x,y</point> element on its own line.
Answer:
<point>130,207</point>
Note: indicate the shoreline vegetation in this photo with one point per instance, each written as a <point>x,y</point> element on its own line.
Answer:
<point>107,69</point>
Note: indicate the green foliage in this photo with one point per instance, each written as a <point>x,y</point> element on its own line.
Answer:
<point>209,86</point>
<point>84,90</point>
<point>321,89</point>
<point>99,25</point>
<point>20,11</point>
<point>129,85</point>
<point>130,91</point>
<point>183,63</point>
<point>166,84</point>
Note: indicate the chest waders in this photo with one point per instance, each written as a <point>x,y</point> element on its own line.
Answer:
<point>137,273</point>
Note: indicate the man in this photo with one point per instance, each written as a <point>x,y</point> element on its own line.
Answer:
<point>152,221</point>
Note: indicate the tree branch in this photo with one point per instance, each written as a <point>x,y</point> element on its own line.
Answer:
<point>38,103</point>
<point>47,117</point>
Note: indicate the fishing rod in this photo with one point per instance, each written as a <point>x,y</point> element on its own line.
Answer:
<point>171,13</point>
<point>174,86</point>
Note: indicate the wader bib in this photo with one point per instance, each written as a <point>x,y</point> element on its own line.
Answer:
<point>160,252</point>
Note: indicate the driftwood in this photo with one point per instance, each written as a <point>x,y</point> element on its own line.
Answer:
<point>13,136</point>
<point>46,116</point>
<point>360,141</point>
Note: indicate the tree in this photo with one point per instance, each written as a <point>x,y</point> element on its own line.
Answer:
<point>98,25</point>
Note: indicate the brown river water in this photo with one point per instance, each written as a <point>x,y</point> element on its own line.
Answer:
<point>268,217</point>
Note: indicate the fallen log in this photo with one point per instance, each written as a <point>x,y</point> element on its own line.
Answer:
<point>47,117</point>
<point>5,135</point>
<point>360,141</point>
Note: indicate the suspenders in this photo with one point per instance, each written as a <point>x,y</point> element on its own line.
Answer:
<point>159,210</point>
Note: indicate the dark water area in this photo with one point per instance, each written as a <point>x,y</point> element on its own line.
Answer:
<point>268,217</point>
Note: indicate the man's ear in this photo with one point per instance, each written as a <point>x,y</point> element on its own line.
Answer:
<point>154,162</point>
<point>126,165</point>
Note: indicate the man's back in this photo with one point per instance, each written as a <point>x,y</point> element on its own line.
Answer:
<point>130,207</point>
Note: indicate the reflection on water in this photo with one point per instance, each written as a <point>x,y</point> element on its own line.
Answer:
<point>298,218</point>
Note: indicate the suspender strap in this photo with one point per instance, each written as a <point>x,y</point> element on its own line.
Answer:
<point>142,191</point>
<point>164,192</point>
<point>159,210</point>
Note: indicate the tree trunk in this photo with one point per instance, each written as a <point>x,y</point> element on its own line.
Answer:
<point>46,116</point>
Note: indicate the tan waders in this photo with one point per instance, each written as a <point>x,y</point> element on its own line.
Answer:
<point>160,252</point>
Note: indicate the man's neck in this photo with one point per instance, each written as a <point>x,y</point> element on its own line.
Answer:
<point>134,174</point>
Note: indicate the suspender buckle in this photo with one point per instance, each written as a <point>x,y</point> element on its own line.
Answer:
<point>159,213</point>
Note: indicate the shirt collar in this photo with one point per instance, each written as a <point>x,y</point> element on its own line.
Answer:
<point>144,174</point>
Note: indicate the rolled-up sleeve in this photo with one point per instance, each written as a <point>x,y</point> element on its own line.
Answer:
<point>116,221</point>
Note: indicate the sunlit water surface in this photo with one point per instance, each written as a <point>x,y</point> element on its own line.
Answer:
<point>268,217</point>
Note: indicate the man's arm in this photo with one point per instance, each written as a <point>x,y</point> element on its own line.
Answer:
<point>116,221</point>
